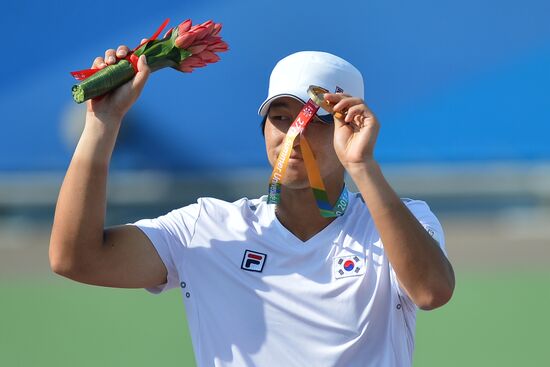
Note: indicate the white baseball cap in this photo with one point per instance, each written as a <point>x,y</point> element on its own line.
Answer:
<point>293,75</point>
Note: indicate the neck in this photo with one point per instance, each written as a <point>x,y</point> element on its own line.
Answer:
<point>298,210</point>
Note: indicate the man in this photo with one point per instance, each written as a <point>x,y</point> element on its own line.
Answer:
<point>268,285</point>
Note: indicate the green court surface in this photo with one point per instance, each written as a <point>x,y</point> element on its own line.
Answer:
<point>494,319</point>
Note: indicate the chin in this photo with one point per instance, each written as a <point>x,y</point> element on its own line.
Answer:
<point>296,182</point>
<point>295,175</point>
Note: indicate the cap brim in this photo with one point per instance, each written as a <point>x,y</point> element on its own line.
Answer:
<point>328,119</point>
<point>264,108</point>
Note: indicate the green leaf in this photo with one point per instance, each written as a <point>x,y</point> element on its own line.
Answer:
<point>184,54</point>
<point>174,34</point>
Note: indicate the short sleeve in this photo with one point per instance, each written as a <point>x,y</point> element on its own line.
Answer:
<point>170,234</point>
<point>429,221</point>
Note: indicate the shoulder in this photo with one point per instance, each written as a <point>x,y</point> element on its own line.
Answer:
<point>420,209</point>
<point>243,203</point>
<point>417,207</point>
<point>218,208</point>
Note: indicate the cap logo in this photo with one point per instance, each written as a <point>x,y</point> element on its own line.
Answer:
<point>338,90</point>
<point>253,261</point>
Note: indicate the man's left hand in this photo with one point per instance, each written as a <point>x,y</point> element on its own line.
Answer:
<point>355,135</point>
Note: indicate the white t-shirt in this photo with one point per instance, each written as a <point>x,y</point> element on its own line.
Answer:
<point>256,295</point>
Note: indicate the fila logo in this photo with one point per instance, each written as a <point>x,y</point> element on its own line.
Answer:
<point>253,261</point>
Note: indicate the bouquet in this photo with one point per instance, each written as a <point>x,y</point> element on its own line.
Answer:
<point>183,48</point>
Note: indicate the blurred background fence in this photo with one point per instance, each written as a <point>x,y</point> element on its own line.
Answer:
<point>461,90</point>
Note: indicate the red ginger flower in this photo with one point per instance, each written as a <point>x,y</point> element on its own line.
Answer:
<point>184,48</point>
<point>184,26</point>
<point>202,41</point>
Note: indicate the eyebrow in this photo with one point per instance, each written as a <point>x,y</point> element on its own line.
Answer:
<point>285,106</point>
<point>278,105</point>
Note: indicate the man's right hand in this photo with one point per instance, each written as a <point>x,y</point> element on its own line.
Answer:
<point>114,105</point>
<point>80,248</point>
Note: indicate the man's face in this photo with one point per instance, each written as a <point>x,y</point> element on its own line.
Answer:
<point>282,113</point>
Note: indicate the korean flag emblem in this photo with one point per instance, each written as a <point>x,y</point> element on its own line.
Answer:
<point>348,266</point>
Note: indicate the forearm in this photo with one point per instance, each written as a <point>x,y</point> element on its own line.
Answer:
<point>421,267</point>
<point>77,232</point>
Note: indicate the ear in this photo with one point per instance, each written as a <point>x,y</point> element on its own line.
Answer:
<point>263,125</point>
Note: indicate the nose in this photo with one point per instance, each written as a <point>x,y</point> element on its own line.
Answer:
<point>296,141</point>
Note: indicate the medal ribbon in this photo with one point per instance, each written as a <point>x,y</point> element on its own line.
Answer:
<point>316,182</point>
<point>318,187</point>
<point>279,169</point>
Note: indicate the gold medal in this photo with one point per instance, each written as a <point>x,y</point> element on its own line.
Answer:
<point>316,94</point>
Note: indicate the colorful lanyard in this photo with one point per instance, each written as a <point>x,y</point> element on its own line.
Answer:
<point>316,182</point>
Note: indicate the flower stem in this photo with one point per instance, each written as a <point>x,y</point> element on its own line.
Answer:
<point>103,81</point>
<point>159,53</point>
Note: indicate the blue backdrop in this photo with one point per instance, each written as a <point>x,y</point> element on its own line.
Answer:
<point>450,81</point>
